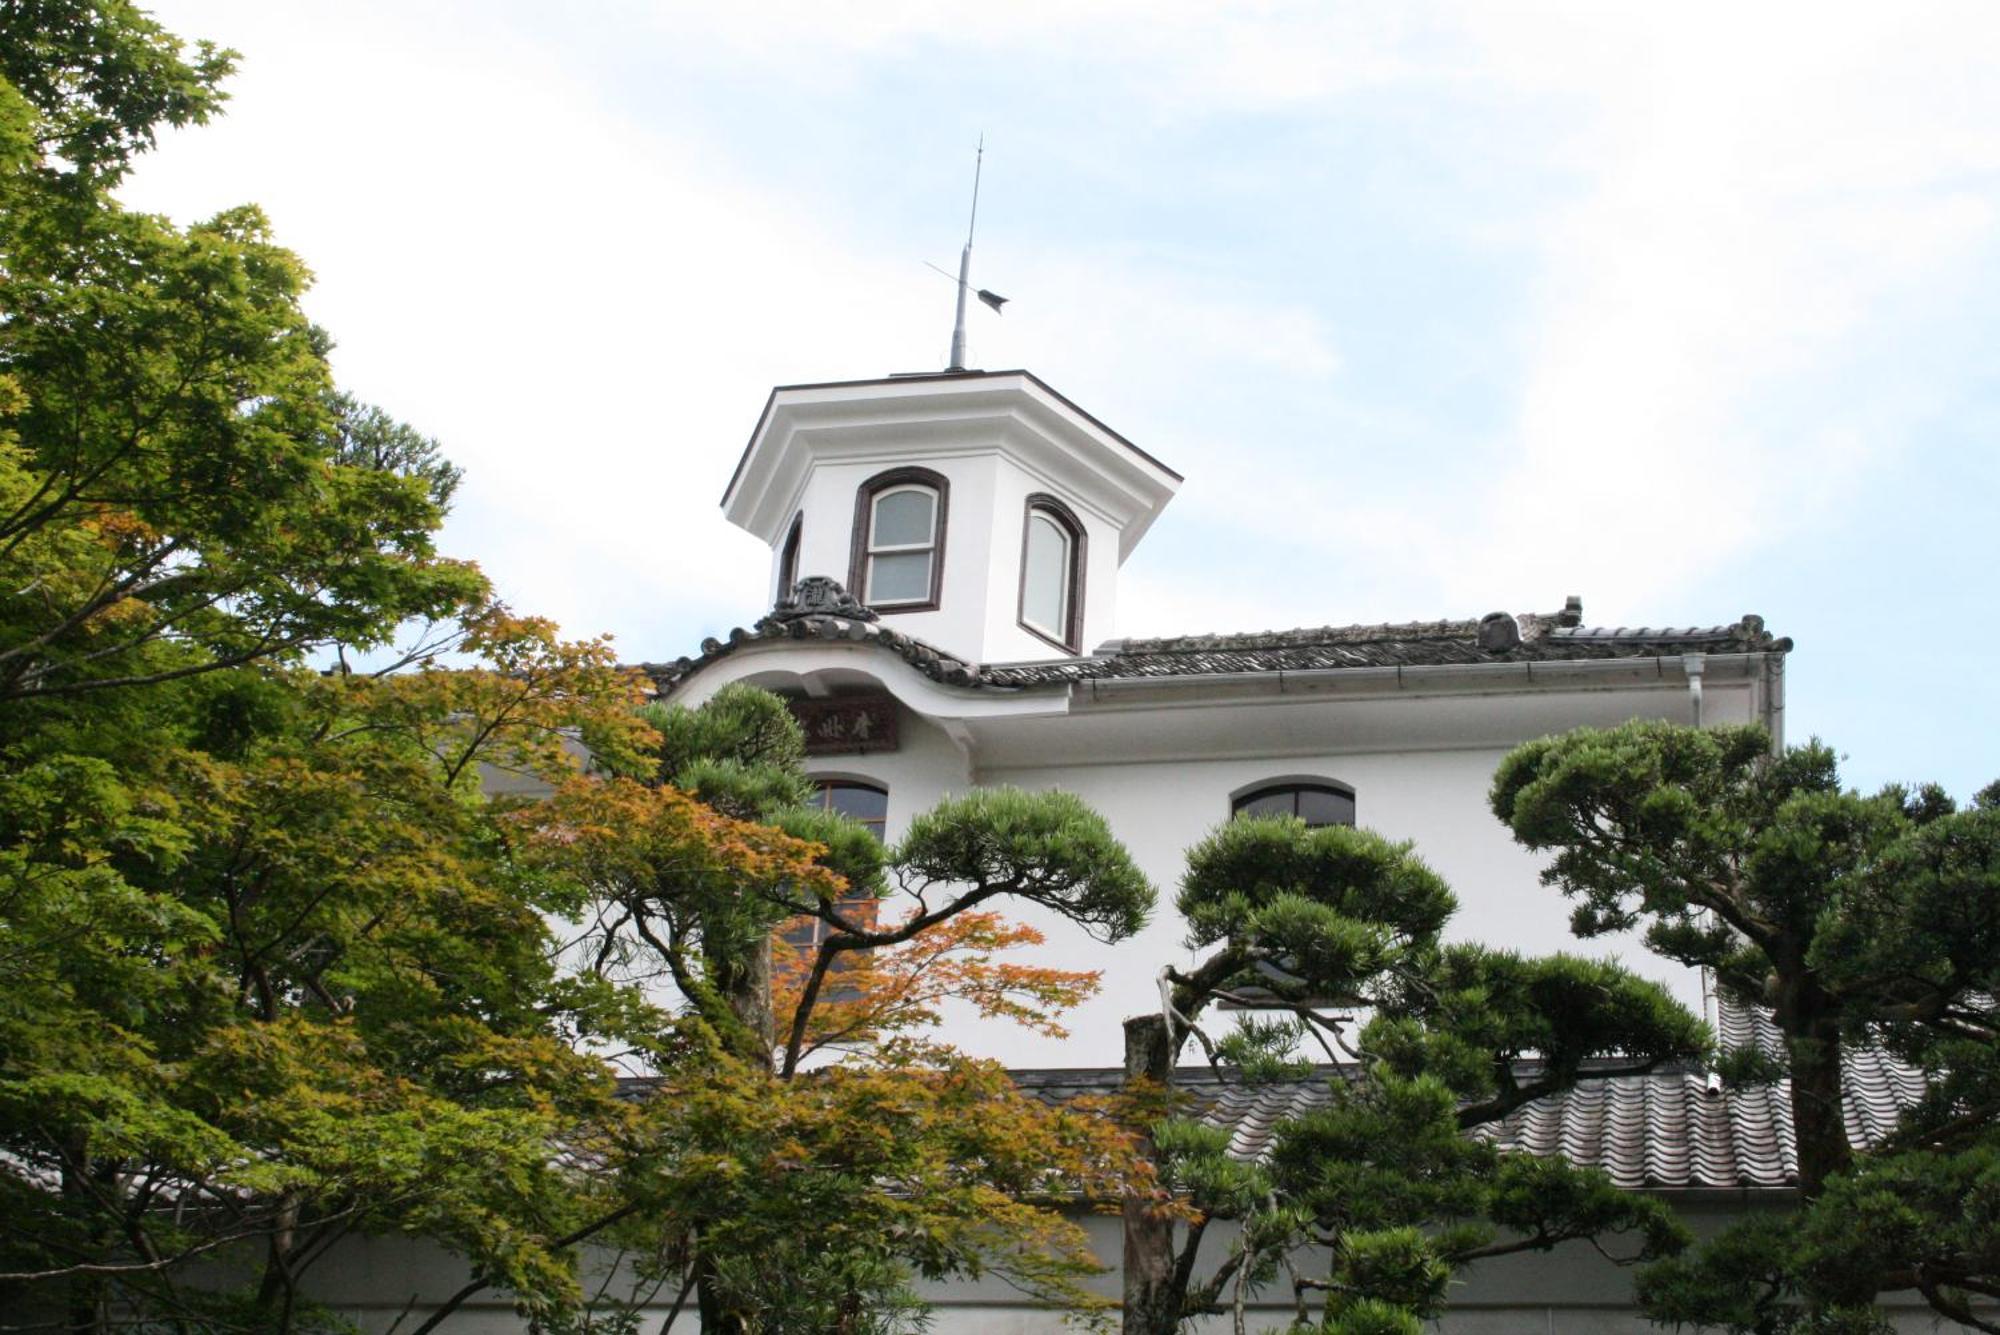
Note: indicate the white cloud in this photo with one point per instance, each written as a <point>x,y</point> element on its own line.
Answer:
<point>588,307</point>
<point>1764,190</point>
<point>1767,199</point>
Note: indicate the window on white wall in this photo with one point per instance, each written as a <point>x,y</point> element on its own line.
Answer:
<point>1316,803</point>
<point>1052,549</point>
<point>863,803</point>
<point>788,558</point>
<point>899,528</point>
<point>867,805</point>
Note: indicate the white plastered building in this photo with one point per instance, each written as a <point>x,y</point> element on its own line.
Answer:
<point>945,552</point>
<point>975,524</point>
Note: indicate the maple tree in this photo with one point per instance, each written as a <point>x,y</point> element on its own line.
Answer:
<point>285,985</point>
<point>1367,1207</point>
<point>274,970</point>
<point>905,988</point>
<point>269,973</point>
<point>1852,920</point>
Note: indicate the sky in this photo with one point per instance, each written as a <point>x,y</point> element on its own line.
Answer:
<point>1439,308</point>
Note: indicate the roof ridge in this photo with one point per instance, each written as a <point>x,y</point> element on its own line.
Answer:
<point>832,616</point>
<point>1356,633</point>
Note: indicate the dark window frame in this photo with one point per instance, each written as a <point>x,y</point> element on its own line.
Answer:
<point>1264,788</point>
<point>788,557</point>
<point>864,519</point>
<point>1079,555</point>
<point>805,932</point>
<point>824,784</point>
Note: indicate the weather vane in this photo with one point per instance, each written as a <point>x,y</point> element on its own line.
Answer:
<point>992,299</point>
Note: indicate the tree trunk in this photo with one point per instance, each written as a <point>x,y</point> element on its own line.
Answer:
<point>715,1318</point>
<point>85,1294</point>
<point>1810,1021</point>
<point>1152,1300</point>
<point>748,992</point>
<point>750,998</point>
<point>278,1290</point>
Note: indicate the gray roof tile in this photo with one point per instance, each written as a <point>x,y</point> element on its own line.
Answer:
<point>1535,638</point>
<point>1665,1130</point>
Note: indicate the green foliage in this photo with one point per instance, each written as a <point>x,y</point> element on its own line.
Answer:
<point>1370,1316</point>
<point>367,437</point>
<point>1397,1264</point>
<point>289,992</point>
<point>1195,1163</point>
<point>1855,919</point>
<point>1474,1013</point>
<point>100,76</point>
<point>740,727</point>
<point>1048,848</point>
<point>1277,866</point>
<point>829,1193</point>
<point>269,972</point>
<point>1441,1040</point>
<point>851,850</point>
<point>1262,1050</point>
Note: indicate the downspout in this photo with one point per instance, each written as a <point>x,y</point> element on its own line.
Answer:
<point>1694,665</point>
<point>1710,1014</point>
<point>1771,704</point>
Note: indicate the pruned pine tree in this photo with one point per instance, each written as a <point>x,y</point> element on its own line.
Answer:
<point>1365,1209</point>
<point>1852,920</point>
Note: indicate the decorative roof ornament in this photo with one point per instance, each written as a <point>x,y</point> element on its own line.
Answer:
<point>819,595</point>
<point>1498,632</point>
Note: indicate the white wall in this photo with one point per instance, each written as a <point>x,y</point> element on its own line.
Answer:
<point>1436,798</point>
<point>978,607</point>
<point>1570,1291</point>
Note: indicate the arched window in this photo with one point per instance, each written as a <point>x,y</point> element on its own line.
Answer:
<point>899,523</point>
<point>1052,550</point>
<point>1315,801</point>
<point>788,558</point>
<point>863,803</point>
<point>867,805</point>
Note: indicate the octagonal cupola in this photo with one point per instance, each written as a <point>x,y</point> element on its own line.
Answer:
<point>978,510</point>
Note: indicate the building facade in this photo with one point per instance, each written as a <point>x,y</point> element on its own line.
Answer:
<point>945,552</point>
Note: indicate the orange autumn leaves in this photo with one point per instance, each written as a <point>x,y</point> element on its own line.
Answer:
<point>630,838</point>
<point>905,988</point>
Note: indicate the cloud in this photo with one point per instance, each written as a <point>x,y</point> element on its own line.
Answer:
<point>1764,197</point>
<point>589,309</point>
<point>1719,219</point>
<point>1759,209</point>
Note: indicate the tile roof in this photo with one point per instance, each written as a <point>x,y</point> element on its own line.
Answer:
<point>1495,638</point>
<point>1666,1130</point>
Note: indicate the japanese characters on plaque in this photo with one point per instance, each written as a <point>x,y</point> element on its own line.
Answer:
<point>846,725</point>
